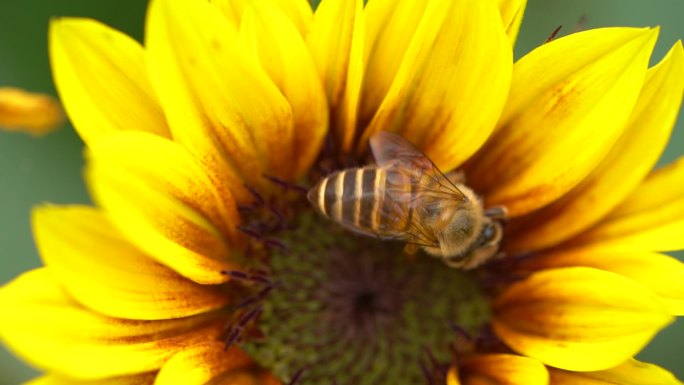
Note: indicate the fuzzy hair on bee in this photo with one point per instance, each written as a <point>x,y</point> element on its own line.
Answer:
<point>405,197</point>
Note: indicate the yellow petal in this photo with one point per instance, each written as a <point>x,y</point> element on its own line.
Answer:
<point>199,364</point>
<point>284,55</point>
<point>138,379</point>
<point>503,369</point>
<point>451,84</point>
<point>660,273</point>
<point>547,139</point>
<point>631,372</point>
<point>512,12</point>
<point>163,202</point>
<point>220,104</point>
<point>626,165</point>
<point>336,41</point>
<point>94,262</point>
<point>651,218</point>
<point>36,114</point>
<point>102,80</point>
<point>298,11</point>
<point>52,332</point>
<point>578,318</point>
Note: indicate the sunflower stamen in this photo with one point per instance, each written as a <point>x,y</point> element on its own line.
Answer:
<point>255,298</point>
<point>286,185</point>
<point>553,34</point>
<point>296,377</point>
<point>237,329</point>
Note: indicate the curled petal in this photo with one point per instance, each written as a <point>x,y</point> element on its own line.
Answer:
<point>631,372</point>
<point>448,83</point>
<point>578,318</point>
<point>53,332</point>
<point>651,218</point>
<point>220,104</point>
<point>137,379</point>
<point>503,369</point>
<point>102,80</point>
<point>93,261</point>
<point>546,141</point>
<point>620,173</point>
<point>284,55</point>
<point>36,114</point>
<point>512,12</point>
<point>298,11</point>
<point>660,273</point>
<point>339,24</point>
<point>166,205</point>
<point>202,363</point>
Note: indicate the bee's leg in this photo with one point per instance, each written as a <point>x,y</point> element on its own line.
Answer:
<point>497,212</point>
<point>479,256</point>
<point>456,176</point>
<point>411,248</point>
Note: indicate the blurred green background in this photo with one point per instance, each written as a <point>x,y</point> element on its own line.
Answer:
<point>49,169</point>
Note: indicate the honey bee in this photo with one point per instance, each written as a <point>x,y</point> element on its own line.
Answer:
<point>405,197</point>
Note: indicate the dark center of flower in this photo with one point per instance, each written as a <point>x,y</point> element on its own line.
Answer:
<point>347,309</point>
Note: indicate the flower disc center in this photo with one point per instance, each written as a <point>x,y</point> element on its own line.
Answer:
<point>352,310</point>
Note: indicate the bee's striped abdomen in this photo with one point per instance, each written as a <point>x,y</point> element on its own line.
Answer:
<point>357,198</point>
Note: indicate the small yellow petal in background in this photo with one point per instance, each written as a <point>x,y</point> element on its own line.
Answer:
<point>451,85</point>
<point>651,218</point>
<point>512,12</point>
<point>102,80</point>
<point>661,273</point>
<point>503,369</point>
<point>36,114</point>
<point>104,272</point>
<point>562,116</point>
<point>631,372</point>
<point>339,24</point>
<point>220,103</point>
<point>202,363</point>
<point>52,332</point>
<point>138,379</point>
<point>282,52</point>
<point>578,318</point>
<point>162,200</point>
<point>626,165</point>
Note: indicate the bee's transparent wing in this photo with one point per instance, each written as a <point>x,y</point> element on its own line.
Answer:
<point>416,188</point>
<point>393,151</point>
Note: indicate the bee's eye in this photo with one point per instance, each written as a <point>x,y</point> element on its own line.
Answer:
<point>488,232</point>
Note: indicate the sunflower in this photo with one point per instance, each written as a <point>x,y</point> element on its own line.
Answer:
<point>202,261</point>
